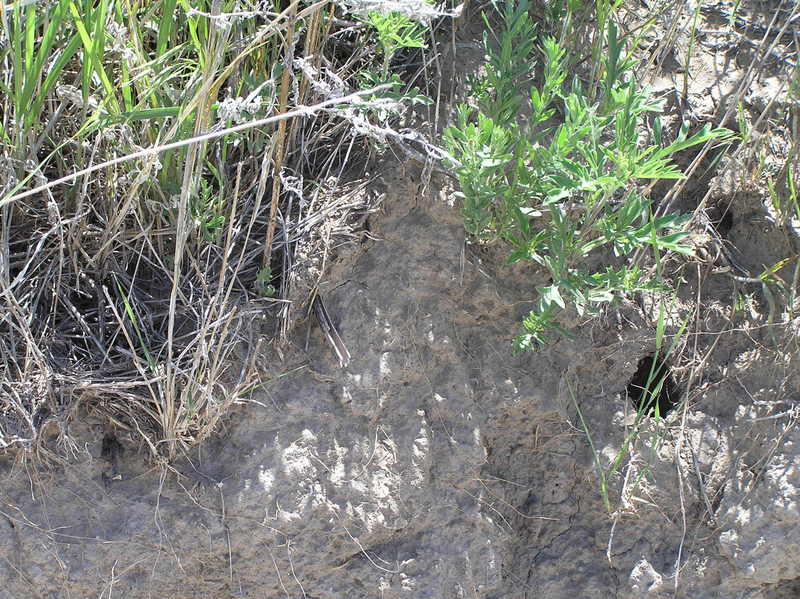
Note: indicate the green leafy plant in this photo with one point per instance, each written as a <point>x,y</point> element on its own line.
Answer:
<point>263,285</point>
<point>561,194</point>
<point>395,31</point>
<point>206,209</point>
<point>498,90</point>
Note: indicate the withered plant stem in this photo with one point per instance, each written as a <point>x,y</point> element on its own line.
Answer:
<point>280,147</point>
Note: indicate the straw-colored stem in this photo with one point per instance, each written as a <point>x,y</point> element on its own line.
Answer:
<point>280,145</point>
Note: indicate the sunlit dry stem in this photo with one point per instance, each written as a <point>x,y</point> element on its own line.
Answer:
<point>280,147</point>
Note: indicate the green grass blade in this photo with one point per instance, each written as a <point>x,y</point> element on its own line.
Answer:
<point>601,473</point>
<point>17,62</point>
<point>165,26</point>
<point>30,35</point>
<point>88,57</point>
<point>145,114</point>
<point>99,34</point>
<point>29,94</point>
<point>94,51</point>
<point>135,322</point>
<point>52,76</point>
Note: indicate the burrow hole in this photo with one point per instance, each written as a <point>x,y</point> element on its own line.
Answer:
<point>721,216</point>
<point>725,223</point>
<point>653,390</point>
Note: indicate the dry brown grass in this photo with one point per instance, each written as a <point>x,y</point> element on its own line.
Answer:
<point>135,247</point>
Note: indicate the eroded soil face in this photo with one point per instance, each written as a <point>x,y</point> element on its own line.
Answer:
<point>435,463</point>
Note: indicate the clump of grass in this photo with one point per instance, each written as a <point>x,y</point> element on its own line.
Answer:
<point>129,287</point>
<point>561,194</point>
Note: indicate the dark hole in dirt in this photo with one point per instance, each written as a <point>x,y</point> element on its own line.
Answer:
<point>280,266</point>
<point>111,448</point>
<point>725,223</point>
<point>652,388</point>
<point>720,215</point>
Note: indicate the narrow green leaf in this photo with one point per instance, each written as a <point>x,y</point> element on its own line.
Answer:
<point>94,50</point>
